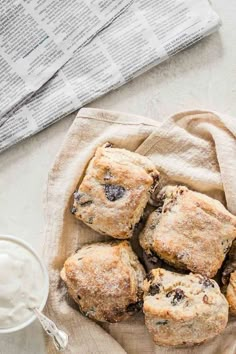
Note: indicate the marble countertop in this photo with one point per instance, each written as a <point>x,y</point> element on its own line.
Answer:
<point>201,77</point>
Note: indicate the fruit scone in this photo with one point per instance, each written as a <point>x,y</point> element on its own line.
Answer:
<point>114,191</point>
<point>183,310</point>
<point>229,278</point>
<point>105,280</point>
<point>189,230</point>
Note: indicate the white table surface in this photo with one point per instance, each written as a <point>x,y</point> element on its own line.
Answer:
<point>203,76</point>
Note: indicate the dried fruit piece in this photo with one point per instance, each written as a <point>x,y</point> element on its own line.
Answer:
<point>154,289</point>
<point>178,296</point>
<point>114,192</point>
<point>205,299</point>
<point>149,276</point>
<point>77,195</point>
<point>82,199</point>
<point>206,282</point>
<point>73,210</point>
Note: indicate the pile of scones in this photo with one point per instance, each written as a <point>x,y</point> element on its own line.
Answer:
<point>187,230</point>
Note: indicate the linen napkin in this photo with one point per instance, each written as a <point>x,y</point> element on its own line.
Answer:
<point>195,148</point>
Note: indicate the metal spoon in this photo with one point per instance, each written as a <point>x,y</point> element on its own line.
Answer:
<point>60,338</point>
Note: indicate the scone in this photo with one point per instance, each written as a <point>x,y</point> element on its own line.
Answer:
<point>229,279</point>
<point>106,280</point>
<point>183,310</point>
<point>115,191</point>
<point>231,293</point>
<point>189,230</point>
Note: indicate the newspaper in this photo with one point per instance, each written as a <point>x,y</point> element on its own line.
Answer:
<point>37,37</point>
<point>147,33</point>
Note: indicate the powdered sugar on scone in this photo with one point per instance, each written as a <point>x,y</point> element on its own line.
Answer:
<point>183,309</point>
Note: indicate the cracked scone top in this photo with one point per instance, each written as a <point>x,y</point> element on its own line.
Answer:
<point>189,230</point>
<point>183,310</point>
<point>114,191</point>
<point>105,279</point>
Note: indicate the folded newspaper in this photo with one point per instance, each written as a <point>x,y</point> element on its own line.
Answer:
<point>137,38</point>
<point>38,37</point>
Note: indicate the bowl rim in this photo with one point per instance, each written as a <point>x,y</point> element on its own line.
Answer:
<point>28,247</point>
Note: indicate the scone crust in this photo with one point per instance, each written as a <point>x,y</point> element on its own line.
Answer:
<point>106,280</point>
<point>115,191</point>
<point>231,293</point>
<point>183,310</point>
<point>189,231</point>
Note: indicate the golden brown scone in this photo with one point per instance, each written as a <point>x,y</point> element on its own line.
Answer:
<point>189,230</point>
<point>183,310</point>
<point>106,280</point>
<point>231,293</point>
<point>229,278</point>
<point>115,191</point>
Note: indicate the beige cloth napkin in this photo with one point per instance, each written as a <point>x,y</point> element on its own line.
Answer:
<point>196,148</point>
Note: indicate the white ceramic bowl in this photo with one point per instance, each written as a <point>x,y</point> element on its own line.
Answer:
<point>45,286</point>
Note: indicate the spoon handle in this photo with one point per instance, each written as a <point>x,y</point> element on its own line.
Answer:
<point>60,338</point>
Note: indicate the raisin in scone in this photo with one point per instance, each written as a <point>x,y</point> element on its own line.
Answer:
<point>189,230</point>
<point>183,310</point>
<point>229,279</point>
<point>115,191</point>
<point>106,280</point>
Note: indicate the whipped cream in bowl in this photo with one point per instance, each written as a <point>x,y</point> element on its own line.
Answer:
<point>24,284</point>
